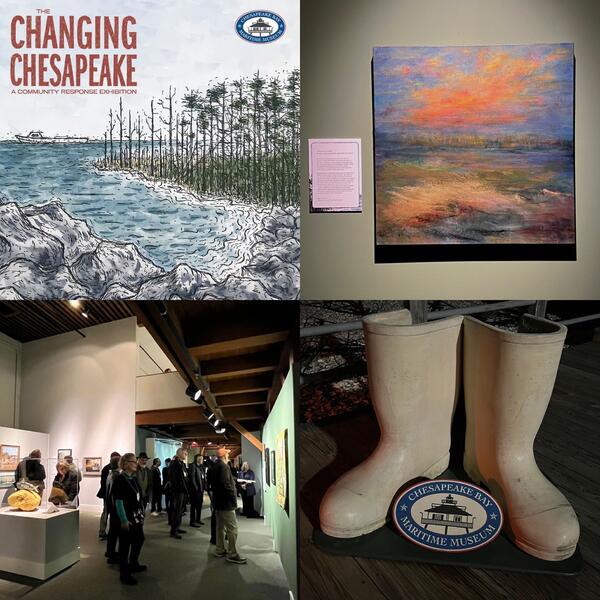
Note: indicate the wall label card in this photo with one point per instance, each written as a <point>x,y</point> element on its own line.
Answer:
<point>335,175</point>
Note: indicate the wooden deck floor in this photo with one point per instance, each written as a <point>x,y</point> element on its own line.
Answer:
<point>567,449</point>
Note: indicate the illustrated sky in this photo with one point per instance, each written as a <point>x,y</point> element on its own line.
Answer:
<point>183,43</point>
<point>478,90</point>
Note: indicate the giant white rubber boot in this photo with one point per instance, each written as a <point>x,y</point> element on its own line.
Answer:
<point>414,373</point>
<point>508,380</point>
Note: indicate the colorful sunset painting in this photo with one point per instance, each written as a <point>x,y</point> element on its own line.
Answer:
<point>474,145</point>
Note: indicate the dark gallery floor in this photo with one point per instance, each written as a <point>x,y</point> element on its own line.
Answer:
<point>567,450</point>
<point>181,569</point>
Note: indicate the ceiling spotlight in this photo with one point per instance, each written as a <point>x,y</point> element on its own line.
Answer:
<point>209,444</point>
<point>216,423</point>
<point>75,303</point>
<point>221,430</point>
<point>198,395</point>
<point>84,314</point>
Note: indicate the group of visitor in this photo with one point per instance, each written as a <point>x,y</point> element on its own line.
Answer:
<point>128,485</point>
<point>65,485</point>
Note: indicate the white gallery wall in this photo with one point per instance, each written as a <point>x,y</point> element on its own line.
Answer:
<point>10,367</point>
<point>160,391</point>
<point>27,441</point>
<point>81,391</point>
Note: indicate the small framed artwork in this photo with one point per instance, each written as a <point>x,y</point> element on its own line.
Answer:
<point>273,463</point>
<point>268,466</point>
<point>474,153</point>
<point>281,444</point>
<point>6,480</point>
<point>9,457</point>
<point>92,465</point>
<point>62,452</point>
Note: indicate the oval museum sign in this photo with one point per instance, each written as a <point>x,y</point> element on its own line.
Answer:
<point>447,515</point>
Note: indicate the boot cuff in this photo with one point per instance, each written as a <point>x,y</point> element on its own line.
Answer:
<point>399,323</point>
<point>532,330</point>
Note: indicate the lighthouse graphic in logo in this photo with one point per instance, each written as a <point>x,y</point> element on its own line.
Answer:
<point>448,514</point>
<point>260,27</point>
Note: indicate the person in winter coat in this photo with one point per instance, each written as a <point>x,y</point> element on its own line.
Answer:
<point>32,470</point>
<point>65,485</point>
<point>166,486</point>
<point>111,466</point>
<point>196,477</point>
<point>143,476</point>
<point>225,504</point>
<point>129,511</point>
<point>178,481</point>
<point>156,487</point>
<point>246,480</point>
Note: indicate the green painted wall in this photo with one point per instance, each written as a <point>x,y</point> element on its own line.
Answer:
<point>283,525</point>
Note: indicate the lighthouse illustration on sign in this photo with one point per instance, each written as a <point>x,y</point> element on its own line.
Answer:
<point>448,514</point>
<point>260,28</point>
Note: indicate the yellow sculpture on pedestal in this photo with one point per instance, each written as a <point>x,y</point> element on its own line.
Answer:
<point>26,498</point>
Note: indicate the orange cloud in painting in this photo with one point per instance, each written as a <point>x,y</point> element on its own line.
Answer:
<point>498,92</point>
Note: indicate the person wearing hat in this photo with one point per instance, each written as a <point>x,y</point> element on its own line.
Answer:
<point>111,466</point>
<point>224,494</point>
<point>144,478</point>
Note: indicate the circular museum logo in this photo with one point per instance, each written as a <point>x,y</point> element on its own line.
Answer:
<point>260,26</point>
<point>446,515</point>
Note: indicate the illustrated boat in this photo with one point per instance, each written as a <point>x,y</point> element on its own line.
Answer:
<point>37,137</point>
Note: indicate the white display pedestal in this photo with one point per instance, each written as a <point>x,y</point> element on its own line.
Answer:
<point>37,544</point>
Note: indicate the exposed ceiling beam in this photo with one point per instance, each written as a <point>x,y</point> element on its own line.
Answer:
<point>172,416</point>
<point>242,399</point>
<point>225,320</point>
<point>249,436</point>
<point>238,366</point>
<point>241,385</point>
<point>237,346</point>
<point>242,413</point>
<point>285,361</point>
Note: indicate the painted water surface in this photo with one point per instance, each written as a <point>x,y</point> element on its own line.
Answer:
<point>166,230</point>
<point>136,231</point>
<point>474,144</point>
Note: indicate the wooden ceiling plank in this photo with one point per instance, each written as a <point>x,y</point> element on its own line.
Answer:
<point>243,413</point>
<point>242,399</point>
<point>241,385</point>
<point>244,364</point>
<point>236,346</point>
<point>192,414</point>
<point>242,373</point>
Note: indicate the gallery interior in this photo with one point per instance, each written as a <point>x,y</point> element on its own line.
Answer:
<point>85,380</point>
<point>513,385</point>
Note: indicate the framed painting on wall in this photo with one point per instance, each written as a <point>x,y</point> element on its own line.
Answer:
<point>474,153</point>
<point>282,469</point>
<point>273,463</point>
<point>6,480</point>
<point>92,465</point>
<point>10,456</point>
<point>62,452</point>
<point>267,466</point>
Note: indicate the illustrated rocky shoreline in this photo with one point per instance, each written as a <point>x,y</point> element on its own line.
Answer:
<point>46,253</point>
